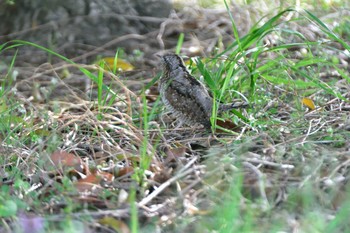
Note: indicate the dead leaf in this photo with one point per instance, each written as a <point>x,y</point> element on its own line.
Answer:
<point>308,103</point>
<point>87,187</point>
<point>89,183</point>
<point>64,159</point>
<point>125,170</point>
<point>92,178</point>
<point>93,181</point>
<point>115,224</point>
<point>107,177</point>
<point>152,94</point>
<point>163,175</point>
<point>92,199</point>
<point>121,64</point>
<point>175,152</point>
<point>226,124</point>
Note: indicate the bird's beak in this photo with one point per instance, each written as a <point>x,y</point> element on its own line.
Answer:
<point>159,54</point>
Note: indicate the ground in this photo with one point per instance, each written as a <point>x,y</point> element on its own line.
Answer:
<point>89,147</point>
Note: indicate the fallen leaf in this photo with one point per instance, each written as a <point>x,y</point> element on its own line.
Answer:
<point>163,175</point>
<point>107,177</point>
<point>125,170</point>
<point>226,124</point>
<point>121,64</point>
<point>87,187</point>
<point>64,159</point>
<point>175,152</point>
<point>89,183</point>
<point>115,224</point>
<point>92,199</point>
<point>152,94</point>
<point>93,181</point>
<point>308,103</point>
<point>92,178</point>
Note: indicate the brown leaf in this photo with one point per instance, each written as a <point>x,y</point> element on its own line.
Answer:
<point>64,159</point>
<point>125,170</point>
<point>89,183</point>
<point>175,152</point>
<point>87,187</point>
<point>107,176</point>
<point>92,199</point>
<point>152,94</point>
<point>93,181</point>
<point>163,175</point>
<point>226,124</point>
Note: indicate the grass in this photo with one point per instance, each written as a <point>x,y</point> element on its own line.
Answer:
<point>286,170</point>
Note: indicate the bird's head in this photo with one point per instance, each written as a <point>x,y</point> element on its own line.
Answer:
<point>171,62</point>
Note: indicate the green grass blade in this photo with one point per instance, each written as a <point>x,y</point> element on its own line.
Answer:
<point>100,83</point>
<point>326,30</point>
<point>179,43</point>
<point>18,43</point>
<point>206,74</point>
<point>115,62</point>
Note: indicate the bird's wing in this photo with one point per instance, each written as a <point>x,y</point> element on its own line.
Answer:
<point>194,96</point>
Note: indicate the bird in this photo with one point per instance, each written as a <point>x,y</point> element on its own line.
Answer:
<point>185,96</point>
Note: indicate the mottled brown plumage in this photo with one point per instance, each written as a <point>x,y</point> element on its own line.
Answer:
<point>186,97</point>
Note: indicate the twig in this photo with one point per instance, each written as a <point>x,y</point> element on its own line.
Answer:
<point>268,163</point>
<point>167,183</point>
<point>260,176</point>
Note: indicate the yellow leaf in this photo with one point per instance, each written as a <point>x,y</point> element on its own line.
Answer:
<point>308,103</point>
<point>121,64</point>
<point>115,224</point>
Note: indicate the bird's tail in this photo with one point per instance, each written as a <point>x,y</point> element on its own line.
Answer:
<point>227,107</point>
